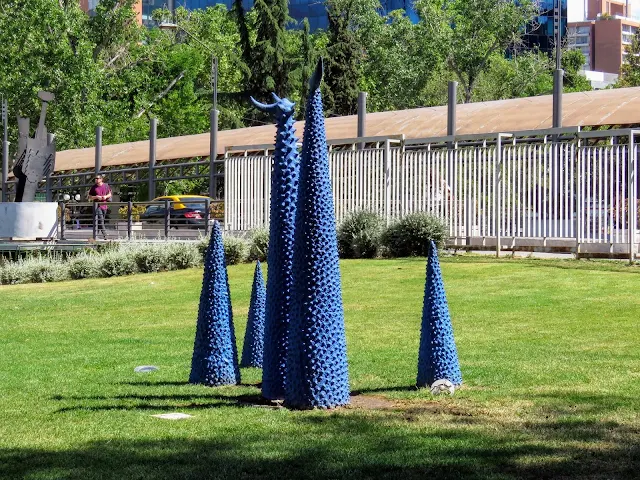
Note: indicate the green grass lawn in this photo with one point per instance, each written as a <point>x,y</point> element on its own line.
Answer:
<point>549,351</point>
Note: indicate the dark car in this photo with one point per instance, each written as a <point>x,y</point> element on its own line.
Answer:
<point>185,211</point>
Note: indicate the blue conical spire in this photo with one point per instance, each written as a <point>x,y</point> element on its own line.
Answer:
<point>317,371</point>
<point>284,194</point>
<point>215,355</point>
<point>438,356</point>
<point>252,349</point>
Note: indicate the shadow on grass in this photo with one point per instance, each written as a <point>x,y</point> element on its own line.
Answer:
<point>343,444</point>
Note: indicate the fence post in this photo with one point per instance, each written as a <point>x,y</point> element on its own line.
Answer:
<point>98,152</point>
<point>387,181</point>
<point>63,220</point>
<point>578,196</point>
<point>167,219</point>
<point>95,220</point>
<point>153,135</point>
<point>207,217</point>
<point>226,192</point>
<point>497,168</point>
<point>632,170</point>
<point>129,219</point>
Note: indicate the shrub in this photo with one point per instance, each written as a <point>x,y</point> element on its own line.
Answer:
<point>136,211</point>
<point>117,263</point>
<point>202,245</point>
<point>259,245</point>
<point>235,250</point>
<point>151,258</point>
<point>84,266</point>
<point>47,270</point>
<point>410,235</point>
<point>183,255</point>
<point>359,235</point>
<point>13,273</point>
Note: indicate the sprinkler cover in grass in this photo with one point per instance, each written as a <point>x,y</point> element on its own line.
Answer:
<point>254,335</point>
<point>438,356</point>
<point>215,355</point>
<point>284,194</point>
<point>317,371</point>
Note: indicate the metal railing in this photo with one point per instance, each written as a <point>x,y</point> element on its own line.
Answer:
<point>133,220</point>
<point>557,188</point>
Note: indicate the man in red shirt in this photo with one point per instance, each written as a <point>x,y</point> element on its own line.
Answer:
<point>100,192</point>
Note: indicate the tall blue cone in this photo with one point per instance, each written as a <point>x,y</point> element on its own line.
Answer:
<point>438,356</point>
<point>215,355</point>
<point>317,370</point>
<point>284,194</point>
<point>252,349</point>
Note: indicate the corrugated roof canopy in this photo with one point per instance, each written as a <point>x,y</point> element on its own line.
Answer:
<point>596,108</point>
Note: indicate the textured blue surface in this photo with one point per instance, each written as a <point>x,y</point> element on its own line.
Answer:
<point>253,347</point>
<point>284,194</point>
<point>317,371</point>
<point>215,355</point>
<point>438,356</point>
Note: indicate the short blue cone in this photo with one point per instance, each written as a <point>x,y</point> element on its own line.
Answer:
<point>284,194</point>
<point>215,355</point>
<point>438,356</point>
<point>317,370</point>
<point>252,349</point>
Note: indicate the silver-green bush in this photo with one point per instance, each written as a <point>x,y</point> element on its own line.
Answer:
<point>359,235</point>
<point>117,263</point>
<point>410,236</point>
<point>183,255</point>
<point>259,245</point>
<point>84,266</point>
<point>151,258</point>
<point>235,250</point>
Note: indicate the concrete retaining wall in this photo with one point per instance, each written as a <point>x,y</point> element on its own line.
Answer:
<point>28,220</point>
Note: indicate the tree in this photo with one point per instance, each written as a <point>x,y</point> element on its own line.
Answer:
<point>471,31</point>
<point>400,60</point>
<point>270,66</point>
<point>344,54</point>
<point>306,64</point>
<point>630,69</point>
<point>572,63</point>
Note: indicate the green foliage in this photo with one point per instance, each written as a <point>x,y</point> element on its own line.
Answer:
<point>259,245</point>
<point>150,258</point>
<point>235,250</point>
<point>270,66</point>
<point>410,236</point>
<point>181,255</point>
<point>117,264</point>
<point>471,31</point>
<point>344,53</point>
<point>84,266</point>
<point>359,235</point>
<point>572,62</point>
<point>630,69</point>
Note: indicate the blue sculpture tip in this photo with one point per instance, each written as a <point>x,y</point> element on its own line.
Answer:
<point>316,78</point>
<point>280,105</point>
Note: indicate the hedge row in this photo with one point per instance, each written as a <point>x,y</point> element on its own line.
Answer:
<point>361,235</point>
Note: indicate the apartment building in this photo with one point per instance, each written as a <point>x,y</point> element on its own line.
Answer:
<point>608,26</point>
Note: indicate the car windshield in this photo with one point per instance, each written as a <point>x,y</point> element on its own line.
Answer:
<point>194,203</point>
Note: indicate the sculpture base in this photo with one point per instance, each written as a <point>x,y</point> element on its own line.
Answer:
<point>28,220</point>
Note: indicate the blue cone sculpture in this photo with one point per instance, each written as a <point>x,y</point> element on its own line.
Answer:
<point>438,356</point>
<point>252,349</point>
<point>215,355</point>
<point>284,194</point>
<point>317,371</point>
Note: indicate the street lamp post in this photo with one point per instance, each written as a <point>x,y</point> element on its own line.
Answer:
<point>5,150</point>
<point>213,117</point>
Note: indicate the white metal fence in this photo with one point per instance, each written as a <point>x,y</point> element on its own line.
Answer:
<point>513,190</point>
